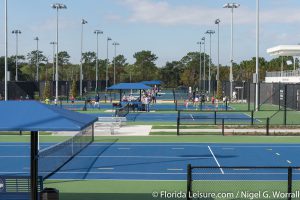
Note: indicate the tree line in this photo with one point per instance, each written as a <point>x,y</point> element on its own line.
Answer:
<point>183,72</point>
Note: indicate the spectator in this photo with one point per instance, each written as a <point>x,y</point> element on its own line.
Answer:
<point>27,97</point>
<point>72,99</point>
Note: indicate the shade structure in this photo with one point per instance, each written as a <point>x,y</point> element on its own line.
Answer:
<point>284,50</point>
<point>34,116</point>
<point>154,82</point>
<point>129,86</point>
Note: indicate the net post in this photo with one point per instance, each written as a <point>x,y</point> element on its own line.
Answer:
<point>189,182</point>
<point>252,117</point>
<point>215,117</point>
<point>268,126</point>
<point>178,122</point>
<point>223,126</point>
<point>93,132</point>
<point>290,181</point>
<point>285,105</point>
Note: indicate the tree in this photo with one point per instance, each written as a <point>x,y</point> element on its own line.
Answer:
<point>145,67</point>
<point>47,90</point>
<point>63,58</point>
<point>74,89</point>
<point>89,63</point>
<point>120,62</point>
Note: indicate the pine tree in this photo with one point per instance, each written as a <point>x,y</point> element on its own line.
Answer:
<point>219,90</point>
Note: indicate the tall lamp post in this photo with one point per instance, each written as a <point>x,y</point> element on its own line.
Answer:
<point>231,6</point>
<point>115,44</point>
<point>57,6</point>
<point>210,32</point>
<point>97,32</point>
<point>106,76</point>
<point>217,22</point>
<point>200,70</point>
<point>37,58</point>
<point>81,75</point>
<point>204,65</point>
<point>16,32</point>
<point>257,58</point>
<point>6,52</point>
<point>53,68</point>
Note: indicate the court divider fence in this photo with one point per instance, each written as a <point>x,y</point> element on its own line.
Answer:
<point>205,182</point>
<point>216,122</point>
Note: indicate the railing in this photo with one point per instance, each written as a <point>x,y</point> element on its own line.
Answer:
<point>283,73</point>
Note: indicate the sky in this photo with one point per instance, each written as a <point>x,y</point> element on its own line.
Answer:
<point>168,28</point>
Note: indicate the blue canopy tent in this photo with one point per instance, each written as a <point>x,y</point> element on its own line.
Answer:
<point>34,116</point>
<point>129,86</point>
<point>154,82</point>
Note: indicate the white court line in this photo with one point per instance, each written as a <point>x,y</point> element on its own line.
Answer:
<point>105,168</point>
<point>237,169</point>
<point>175,169</point>
<point>147,157</point>
<point>251,117</point>
<point>212,153</point>
<point>288,161</point>
<point>277,154</point>
<point>228,148</point>
<point>123,148</point>
<point>192,117</point>
<point>178,148</point>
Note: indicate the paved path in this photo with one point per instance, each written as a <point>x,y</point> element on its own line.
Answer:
<point>229,130</point>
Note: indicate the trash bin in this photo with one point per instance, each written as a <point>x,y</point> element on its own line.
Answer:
<point>50,194</point>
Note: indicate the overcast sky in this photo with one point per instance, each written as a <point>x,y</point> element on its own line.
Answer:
<point>168,28</point>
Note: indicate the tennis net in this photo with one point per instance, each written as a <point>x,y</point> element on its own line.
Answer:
<point>123,111</point>
<point>53,158</point>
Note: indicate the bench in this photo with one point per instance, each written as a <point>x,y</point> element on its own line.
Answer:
<point>17,187</point>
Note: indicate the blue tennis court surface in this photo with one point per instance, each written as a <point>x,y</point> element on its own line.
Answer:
<point>160,161</point>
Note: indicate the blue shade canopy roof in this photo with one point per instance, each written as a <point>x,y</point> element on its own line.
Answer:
<point>35,116</point>
<point>129,86</point>
<point>154,82</point>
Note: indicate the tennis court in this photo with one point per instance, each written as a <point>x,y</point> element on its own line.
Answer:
<point>111,160</point>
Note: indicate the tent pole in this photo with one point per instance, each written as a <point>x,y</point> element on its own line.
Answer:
<point>34,165</point>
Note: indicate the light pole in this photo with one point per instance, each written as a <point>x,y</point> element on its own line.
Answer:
<point>204,65</point>
<point>231,6</point>
<point>6,53</point>
<point>217,21</point>
<point>210,32</point>
<point>200,70</point>
<point>106,76</point>
<point>115,44</point>
<point>53,71</point>
<point>97,32</point>
<point>37,58</point>
<point>57,6</point>
<point>257,58</point>
<point>81,75</point>
<point>16,32</point>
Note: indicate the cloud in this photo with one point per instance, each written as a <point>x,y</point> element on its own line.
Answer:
<point>164,13</point>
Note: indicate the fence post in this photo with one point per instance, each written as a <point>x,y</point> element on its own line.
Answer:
<point>290,181</point>
<point>215,116</point>
<point>176,105</point>
<point>178,122</point>
<point>189,181</point>
<point>84,107</point>
<point>249,87</point>
<point>174,96</point>
<point>285,104</point>
<point>223,126</point>
<point>252,117</point>
<point>226,104</point>
<point>268,126</point>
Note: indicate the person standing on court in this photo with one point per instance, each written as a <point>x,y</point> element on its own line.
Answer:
<point>97,99</point>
